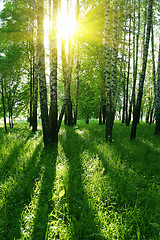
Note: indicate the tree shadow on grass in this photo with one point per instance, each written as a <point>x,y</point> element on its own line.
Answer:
<point>132,168</point>
<point>45,203</point>
<point>84,224</point>
<point>8,166</point>
<point>18,197</point>
<point>2,135</point>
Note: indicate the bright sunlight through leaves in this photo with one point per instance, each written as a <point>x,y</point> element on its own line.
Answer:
<point>66,25</point>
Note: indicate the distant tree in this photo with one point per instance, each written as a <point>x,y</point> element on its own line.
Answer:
<point>15,89</point>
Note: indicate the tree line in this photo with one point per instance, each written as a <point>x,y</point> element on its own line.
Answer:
<point>109,67</point>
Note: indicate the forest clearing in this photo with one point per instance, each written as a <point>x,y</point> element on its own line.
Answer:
<point>79,119</point>
<point>82,187</point>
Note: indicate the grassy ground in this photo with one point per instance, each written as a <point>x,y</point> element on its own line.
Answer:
<point>81,188</point>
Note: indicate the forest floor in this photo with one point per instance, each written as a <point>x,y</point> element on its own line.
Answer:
<point>82,187</point>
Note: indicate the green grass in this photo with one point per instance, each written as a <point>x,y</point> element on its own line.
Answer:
<point>82,187</point>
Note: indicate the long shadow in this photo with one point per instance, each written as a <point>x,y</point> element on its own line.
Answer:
<point>2,135</point>
<point>19,197</point>
<point>45,202</point>
<point>8,166</point>
<point>84,224</point>
<point>131,186</point>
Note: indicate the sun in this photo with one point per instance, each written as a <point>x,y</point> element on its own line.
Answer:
<point>66,24</point>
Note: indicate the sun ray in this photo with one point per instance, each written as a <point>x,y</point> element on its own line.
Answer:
<point>66,24</point>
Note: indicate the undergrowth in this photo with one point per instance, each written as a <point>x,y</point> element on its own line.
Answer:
<point>82,187</point>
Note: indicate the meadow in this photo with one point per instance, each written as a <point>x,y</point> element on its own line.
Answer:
<point>82,187</point>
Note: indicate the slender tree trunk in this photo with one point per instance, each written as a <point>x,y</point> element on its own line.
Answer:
<point>35,84</point>
<point>149,110</point>
<point>65,80</point>
<point>11,118</point>
<point>144,27</point>
<point>136,113</point>
<point>77,67</point>
<point>31,82</point>
<point>35,97</point>
<point>87,119</point>
<point>110,85</point>
<point>114,52</point>
<point>53,75</point>
<point>121,69</point>
<point>70,65</point>
<point>124,101</point>
<point>62,110</point>
<point>104,113</point>
<point>41,73</point>
<point>100,115</point>
<point>151,115</point>
<point>9,107</point>
<point>135,60</point>
<point>67,71</point>
<point>76,97</point>
<point>132,103</point>
<point>4,107</point>
<point>157,102</point>
<point>154,76</point>
<point>128,72</point>
<point>108,73</point>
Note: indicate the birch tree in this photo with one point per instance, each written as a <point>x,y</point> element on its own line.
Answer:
<point>136,113</point>
<point>110,76</point>
<point>109,107</point>
<point>157,99</point>
<point>77,66</point>
<point>4,105</point>
<point>135,59</point>
<point>53,72</point>
<point>41,72</point>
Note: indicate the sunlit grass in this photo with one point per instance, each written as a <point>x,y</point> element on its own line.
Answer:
<point>82,188</point>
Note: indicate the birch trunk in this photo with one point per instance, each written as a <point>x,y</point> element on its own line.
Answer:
<point>108,73</point>
<point>124,100</point>
<point>35,98</point>
<point>128,71</point>
<point>100,115</point>
<point>157,102</point>
<point>77,67</point>
<point>136,113</point>
<point>121,70</point>
<point>53,74</point>
<point>4,107</point>
<point>135,60</point>
<point>41,73</point>
<point>154,76</point>
<point>114,52</point>
<point>31,80</point>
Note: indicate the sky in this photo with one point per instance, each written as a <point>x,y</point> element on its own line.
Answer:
<point>1,5</point>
